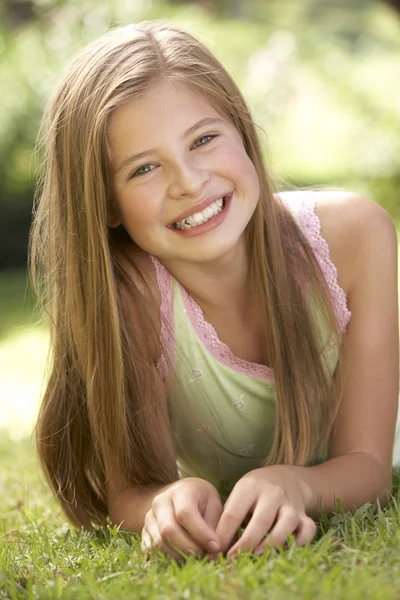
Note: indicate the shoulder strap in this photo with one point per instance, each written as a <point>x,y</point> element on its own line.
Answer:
<point>302,205</point>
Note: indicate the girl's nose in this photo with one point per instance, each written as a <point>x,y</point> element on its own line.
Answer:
<point>188,179</point>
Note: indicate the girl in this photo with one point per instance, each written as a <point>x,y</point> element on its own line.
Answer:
<point>221,354</point>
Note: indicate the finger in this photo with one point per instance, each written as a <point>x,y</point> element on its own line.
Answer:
<point>187,515</point>
<point>211,516</point>
<point>304,534</point>
<point>155,540</point>
<point>212,556</point>
<point>306,531</point>
<point>260,523</point>
<point>287,522</point>
<point>152,542</point>
<point>235,510</point>
<point>147,545</point>
<point>145,541</point>
<point>171,531</point>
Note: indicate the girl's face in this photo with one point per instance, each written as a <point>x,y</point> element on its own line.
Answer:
<point>173,156</point>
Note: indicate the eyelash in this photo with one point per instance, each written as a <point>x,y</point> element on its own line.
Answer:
<point>137,174</point>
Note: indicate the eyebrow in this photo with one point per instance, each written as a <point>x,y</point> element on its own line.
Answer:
<point>129,159</point>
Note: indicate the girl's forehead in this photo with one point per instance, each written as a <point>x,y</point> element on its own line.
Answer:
<point>166,108</point>
<point>162,101</point>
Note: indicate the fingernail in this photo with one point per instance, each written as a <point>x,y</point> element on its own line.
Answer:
<point>213,547</point>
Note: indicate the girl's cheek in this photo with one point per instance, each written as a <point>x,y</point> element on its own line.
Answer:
<point>142,211</point>
<point>237,160</point>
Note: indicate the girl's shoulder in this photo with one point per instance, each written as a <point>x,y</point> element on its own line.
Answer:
<point>353,227</point>
<point>351,224</point>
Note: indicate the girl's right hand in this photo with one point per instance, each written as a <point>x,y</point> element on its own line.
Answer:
<point>184,514</point>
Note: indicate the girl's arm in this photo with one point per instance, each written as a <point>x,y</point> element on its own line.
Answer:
<point>363,244</point>
<point>128,508</point>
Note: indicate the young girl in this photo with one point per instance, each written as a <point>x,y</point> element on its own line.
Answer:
<point>222,355</point>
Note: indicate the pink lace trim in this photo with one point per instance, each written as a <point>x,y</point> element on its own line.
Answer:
<point>219,350</point>
<point>167,334</point>
<point>311,227</point>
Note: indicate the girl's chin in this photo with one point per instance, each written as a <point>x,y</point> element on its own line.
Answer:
<point>207,253</point>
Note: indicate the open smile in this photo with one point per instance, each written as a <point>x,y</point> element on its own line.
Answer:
<point>207,219</point>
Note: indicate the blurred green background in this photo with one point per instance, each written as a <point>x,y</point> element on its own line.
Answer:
<point>322,78</point>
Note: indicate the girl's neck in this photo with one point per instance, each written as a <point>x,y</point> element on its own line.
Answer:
<point>218,287</point>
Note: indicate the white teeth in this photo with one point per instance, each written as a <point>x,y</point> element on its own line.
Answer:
<point>208,212</point>
<point>198,218</point>
<point>201,217</point>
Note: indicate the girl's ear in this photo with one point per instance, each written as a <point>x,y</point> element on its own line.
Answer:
<point>113,217</point>
<point>113,220</point>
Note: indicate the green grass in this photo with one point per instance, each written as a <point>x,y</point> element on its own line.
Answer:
<point>41,556</point>
<point>23,351</point>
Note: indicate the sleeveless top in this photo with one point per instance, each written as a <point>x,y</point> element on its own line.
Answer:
<point>226,396</point>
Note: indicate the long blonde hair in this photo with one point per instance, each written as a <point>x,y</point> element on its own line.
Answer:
<point>102,399</point>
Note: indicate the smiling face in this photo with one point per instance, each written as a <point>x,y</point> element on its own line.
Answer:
<point>174,154</point>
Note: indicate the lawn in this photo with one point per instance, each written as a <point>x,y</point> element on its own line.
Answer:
<point>41,556</point>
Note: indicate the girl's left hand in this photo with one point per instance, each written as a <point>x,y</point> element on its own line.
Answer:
<point>276,498</point>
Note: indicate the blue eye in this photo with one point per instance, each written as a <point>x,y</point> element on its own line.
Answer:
<point>208,139</point>
<point>142,170</point>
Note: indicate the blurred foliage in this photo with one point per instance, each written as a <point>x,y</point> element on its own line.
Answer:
<point>17,305</point>
<point>322,78</point>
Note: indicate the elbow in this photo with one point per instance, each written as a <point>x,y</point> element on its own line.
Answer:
<point>116,513</point>
<point>115,518</point>
<point>385,485</point>
<point>122,523</point>
<point>122,518</point>
<point>383,477</point>
<point>385,495</point>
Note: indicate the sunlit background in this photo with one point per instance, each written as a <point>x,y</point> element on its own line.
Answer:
<point>322,78</point>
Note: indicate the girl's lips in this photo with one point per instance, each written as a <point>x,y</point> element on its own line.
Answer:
<point>210,224</point>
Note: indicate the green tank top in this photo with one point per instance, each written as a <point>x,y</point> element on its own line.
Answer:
<point>230,398</point>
